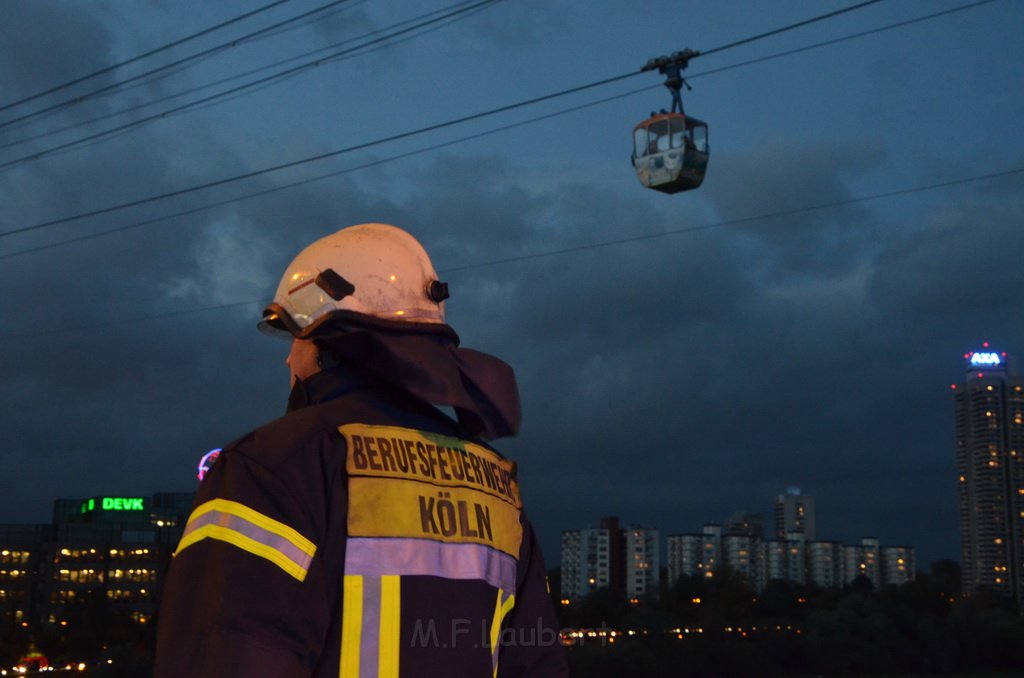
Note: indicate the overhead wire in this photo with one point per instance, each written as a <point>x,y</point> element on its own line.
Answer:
<point>66,103</point>
<point>246,38</point>
<point>471,137</point>
<point>274,189</point>
<point>296,163</point>
<point>322,177</point>
<point>790,27</point>
<point>464,8</point>
<point>376,46</point>
<point>741,220</point>
<point>165,113</point>
<point>220,81</point>
<point>457,11</point>
<point>322,16</point>
<point>564,250</point>
<point>844,38</point>
<point>319,17</point>
<point>140,57</point>
<point>337,152</point>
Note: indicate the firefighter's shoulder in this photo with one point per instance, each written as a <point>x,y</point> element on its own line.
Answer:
<point>294,439</point>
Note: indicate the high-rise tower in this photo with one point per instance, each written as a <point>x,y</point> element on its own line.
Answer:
<point>989,407</point>
<point>592,559</point>
<point>794,512</point>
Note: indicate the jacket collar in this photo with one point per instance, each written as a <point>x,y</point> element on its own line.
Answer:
<point>323,386</point>
<point>427,366</point>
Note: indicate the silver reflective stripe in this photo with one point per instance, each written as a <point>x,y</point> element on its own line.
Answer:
<point>376,557</point>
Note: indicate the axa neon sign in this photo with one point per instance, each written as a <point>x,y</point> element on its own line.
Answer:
<point>114,504</point>
<point>986,359</point>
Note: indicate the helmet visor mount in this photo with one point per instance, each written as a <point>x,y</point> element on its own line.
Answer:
<point>278,323</point>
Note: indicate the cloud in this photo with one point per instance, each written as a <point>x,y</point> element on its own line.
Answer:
<point>47,44</point>
<point>230,265</point>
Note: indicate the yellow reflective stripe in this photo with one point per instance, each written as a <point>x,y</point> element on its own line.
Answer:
<point>351,626</point>
<point>258,519</point>
<point>251,531</point>
<point>246,544</point>
<point>496,629</point>
<point>390,625</point>
<point>501,610</point>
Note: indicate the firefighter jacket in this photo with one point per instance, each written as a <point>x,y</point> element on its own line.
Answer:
<point>358,536</point>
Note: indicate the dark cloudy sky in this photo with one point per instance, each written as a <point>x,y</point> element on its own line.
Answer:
<point>672,380</point>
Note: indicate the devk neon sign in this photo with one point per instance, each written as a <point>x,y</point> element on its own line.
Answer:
<point>114,504</point>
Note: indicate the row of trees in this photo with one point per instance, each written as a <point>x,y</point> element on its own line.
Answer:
<point>924,626</point>
<point>726,629</point>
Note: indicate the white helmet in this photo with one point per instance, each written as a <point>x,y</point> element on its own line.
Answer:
<point>374,270</point>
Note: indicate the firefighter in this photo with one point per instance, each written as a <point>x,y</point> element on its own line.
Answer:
<point>366,532</point>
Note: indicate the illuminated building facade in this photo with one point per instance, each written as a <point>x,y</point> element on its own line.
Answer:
<point>682,556</point>
<point>695,555</point>
<point>862,559</point>
<point>776,560</point>
<point>743,547</point>
<point>794,513</point>
<point>608,557</point>
<point>587,558</point>
<point>742,554</point>
<point>785,559</point>
<point>113,550</point>
<point>21,554</point>
<point>989,406</point>
<point>898,565</point>
<point>710,549</point>
<point>642,563</point>
<point>823,564</point>
<point>569,588</point>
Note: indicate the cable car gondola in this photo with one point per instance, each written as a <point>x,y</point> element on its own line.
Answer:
<point>670,149</point>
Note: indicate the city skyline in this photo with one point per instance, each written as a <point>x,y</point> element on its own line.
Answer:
<point>630,561</point>
<point>782,504</point>
<point>788,505</point>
